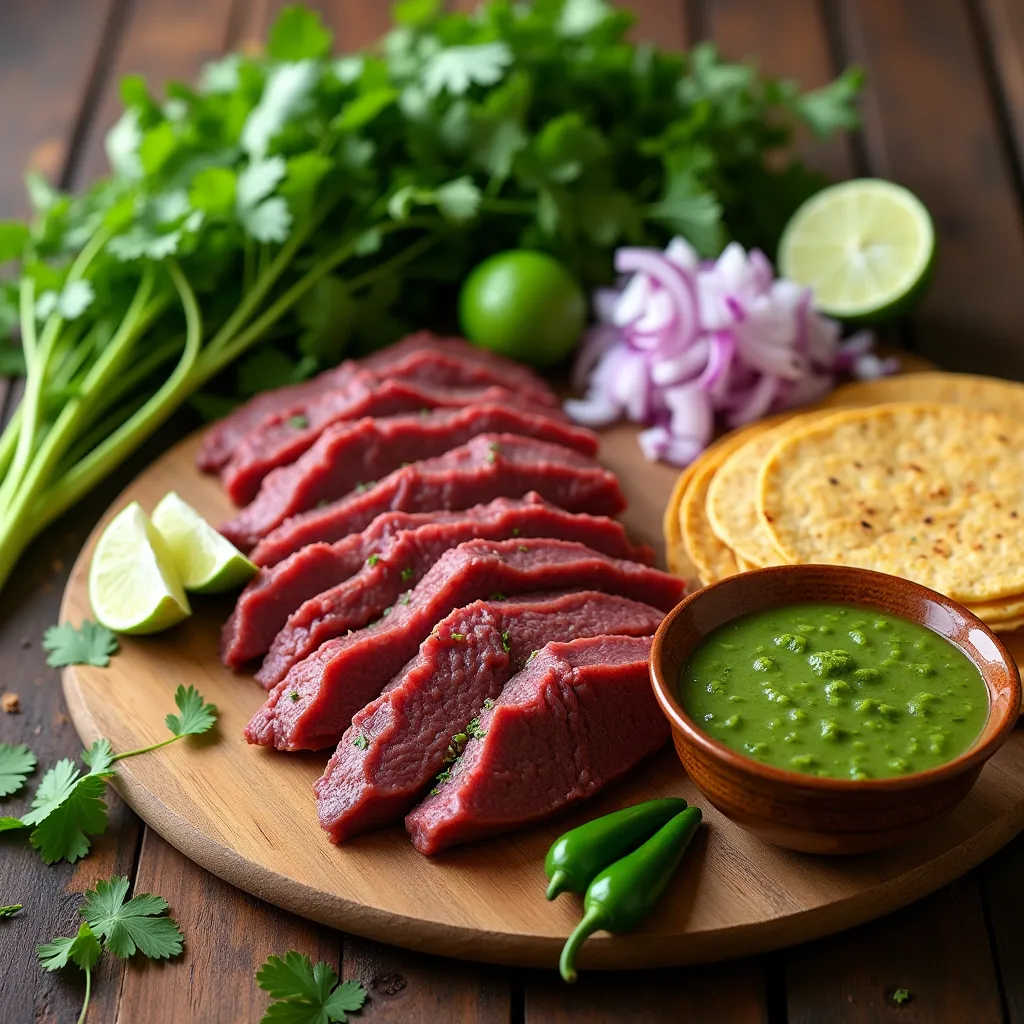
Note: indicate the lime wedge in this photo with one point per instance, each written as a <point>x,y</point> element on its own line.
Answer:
<point>206,562</point>
<point>133,585</point>
<point>865,248</point>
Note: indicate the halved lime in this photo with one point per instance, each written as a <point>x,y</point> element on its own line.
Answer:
<point>865,247</point>
<point>133,585</point>
<point>206,562</point>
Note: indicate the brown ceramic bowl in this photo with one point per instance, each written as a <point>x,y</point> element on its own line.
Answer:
<point>805,812</point>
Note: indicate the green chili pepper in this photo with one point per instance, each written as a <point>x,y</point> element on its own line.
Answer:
<point>622,895</point>
<point>576,857</point>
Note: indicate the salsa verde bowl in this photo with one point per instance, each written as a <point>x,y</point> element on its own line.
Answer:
<point>807,812</point>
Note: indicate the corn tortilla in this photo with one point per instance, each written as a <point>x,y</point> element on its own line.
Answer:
<point>932,493</point>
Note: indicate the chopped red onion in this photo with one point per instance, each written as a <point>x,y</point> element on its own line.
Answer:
<point>683,343</point>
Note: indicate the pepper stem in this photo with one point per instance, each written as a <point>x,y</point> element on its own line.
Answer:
<point>557,885</point>
<point>593,920</point>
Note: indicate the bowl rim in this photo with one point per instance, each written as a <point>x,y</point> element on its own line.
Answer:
<point>973,756</point>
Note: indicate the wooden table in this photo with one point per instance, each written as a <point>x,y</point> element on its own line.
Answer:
<point>943,114</point>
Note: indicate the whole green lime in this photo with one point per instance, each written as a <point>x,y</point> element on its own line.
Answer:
<point>525,305</point>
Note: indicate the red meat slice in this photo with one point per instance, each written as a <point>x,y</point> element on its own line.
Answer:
<point>397,744</point>
<point>313,705</point>
<point>263,607</point>
<point>402,563</point>
<point>578,716</point>
<point>278,442</point>
<point>488,466</point>
<point>348,454</point>
<point>398,361</point>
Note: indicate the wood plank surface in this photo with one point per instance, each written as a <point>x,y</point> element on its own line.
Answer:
<point>929,124</point>
<point>937,950</point>
<point>228,936</point>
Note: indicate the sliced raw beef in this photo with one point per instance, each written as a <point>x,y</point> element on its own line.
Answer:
<point>488,466</point>
<point>348,454</point>
<point>263,607</point>
<point>397,744</point>
<point>399,361</point>
<point>222,437</point>
<point>281,441</point>
<point>578,716</point>
<point>313,705</point>
<point>402,563</point>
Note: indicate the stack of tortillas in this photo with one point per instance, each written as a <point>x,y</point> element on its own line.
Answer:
<point>919,475</point>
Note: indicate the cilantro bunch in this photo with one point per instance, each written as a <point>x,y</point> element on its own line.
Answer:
<point>291,207</point>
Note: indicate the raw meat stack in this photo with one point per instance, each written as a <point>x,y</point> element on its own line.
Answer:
<point>442,596</point>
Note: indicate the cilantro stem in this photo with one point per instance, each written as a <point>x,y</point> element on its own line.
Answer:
<point>146,750</point>
<point>88,995</point>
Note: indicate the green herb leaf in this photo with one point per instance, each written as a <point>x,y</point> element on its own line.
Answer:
<point>373,560</point>
<point>196,715</point>
<point>83,950</point>
<point>13,239</point>
<point>213,191</point>
<point>90,644</point>
<point>304,994</point>
<point>138,924</point>
<point>16,764</point>
<point>66,810</point>
<point>10,910</point>
<point>456,68</point>
<point>900,996</point>
<point>299,34</point>
<point>361,742</point>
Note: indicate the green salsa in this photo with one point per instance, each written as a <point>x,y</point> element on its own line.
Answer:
<point>835,690</point>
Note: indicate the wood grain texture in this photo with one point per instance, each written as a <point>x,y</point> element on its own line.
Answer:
<point>929,124</point>
<point>419,989</point>
<point>228,936</point>
<point>935,950</point>
<point>48,52</point>
<point>733,993</point>
<point>1002,25</point>
<point>247,814</point>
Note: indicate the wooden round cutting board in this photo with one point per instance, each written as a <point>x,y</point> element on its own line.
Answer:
<point>247,814</point>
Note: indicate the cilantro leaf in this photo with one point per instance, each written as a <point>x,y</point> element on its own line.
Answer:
<point>305,994</point>
<point>138,924</point>
<point>213,190</point>
<point>13,238</point>
<point>83,950</point>
<point>299,34</point>
<point>196,715</point>
<point>833,106</point>
<point>455,68</point>
<point>10,910</point>
<point>16,764</point>
<point>99,757</point>
<point>9,824</point>
<point>458,200</point>
<point>67,808</point>
<point>90,644</point>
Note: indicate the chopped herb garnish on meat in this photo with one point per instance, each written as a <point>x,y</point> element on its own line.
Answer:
<point>387,611</point>
<point>488,704</point>
<point>373,560</point>
<point>475,731</point>
<point>492,453</point>
<point>362,488</point>
<point>523,547</point>
<point>458,636</point>
<point>406,597</point>
<point>515,531</point>
<point>298,422</point>
<point>361,742</point>
<point>322,503</point>
<point>406,574</point>
<point>294,695</point>
<point>505,645</point>
<point>533,654</point>
<point>497,596</point>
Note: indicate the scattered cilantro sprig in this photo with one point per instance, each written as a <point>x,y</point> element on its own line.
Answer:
<point>291,207</point>
<point>89,644</point>
<point>122,928</point>
<point>10,910</point>
<point>16,764</point>
<point>304,994</point>
<point>68,807</point>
